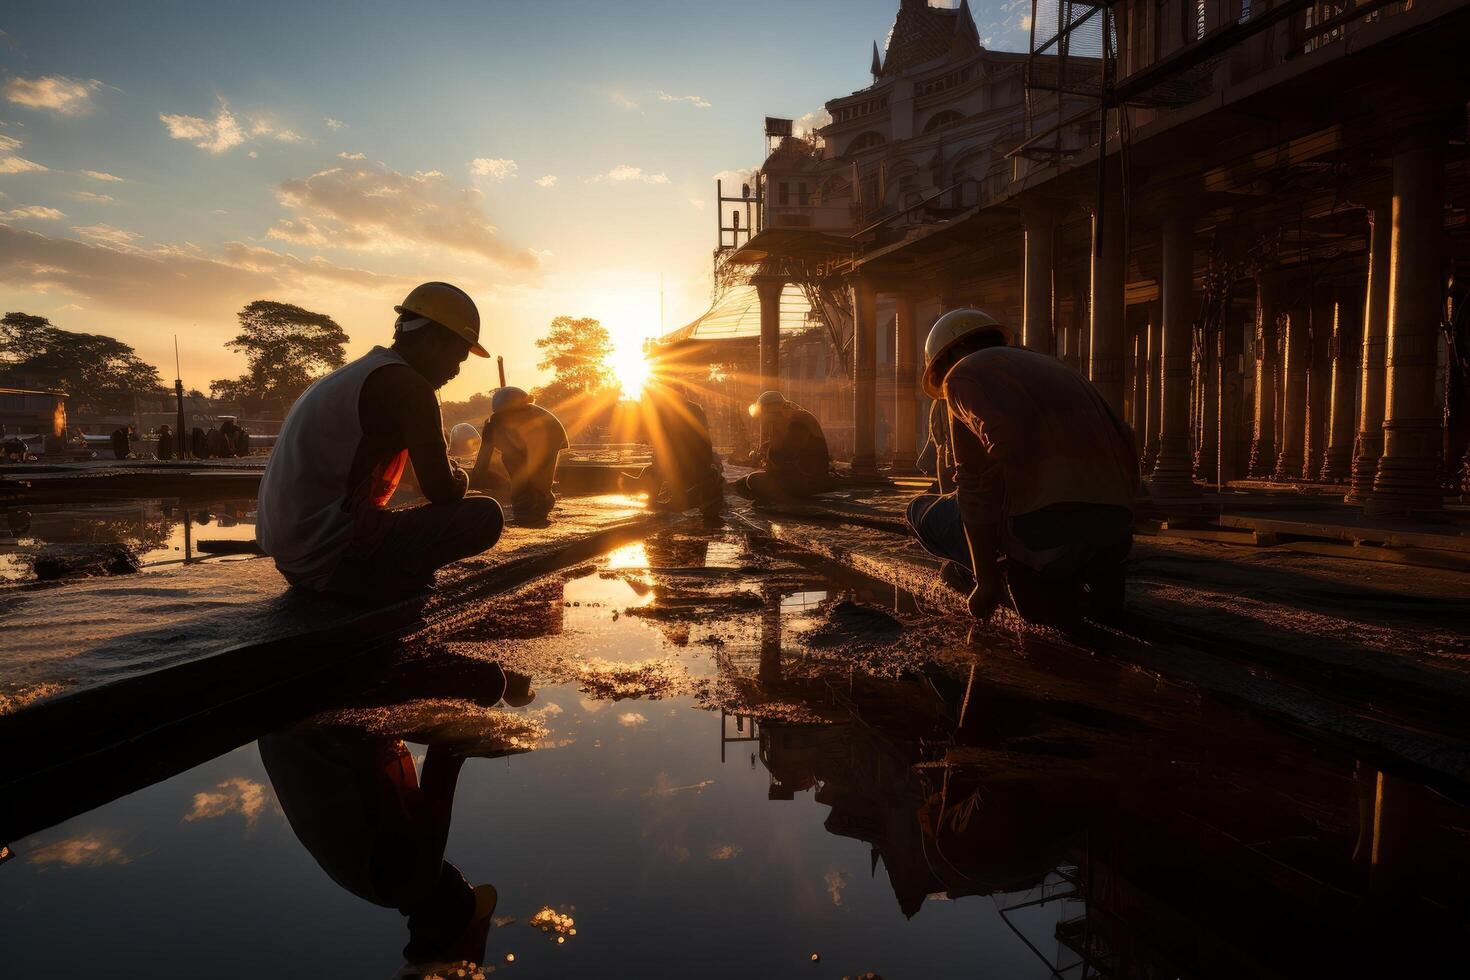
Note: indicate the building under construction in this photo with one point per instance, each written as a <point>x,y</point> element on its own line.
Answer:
<point>1244,221</point>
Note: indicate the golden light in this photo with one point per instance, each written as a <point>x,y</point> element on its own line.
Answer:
<point>630,367</point>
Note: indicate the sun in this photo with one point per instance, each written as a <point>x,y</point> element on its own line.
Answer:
<point>630,367</point>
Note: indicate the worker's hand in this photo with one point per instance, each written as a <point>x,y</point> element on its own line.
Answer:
<point>461,478</point>
<point>984,599</point>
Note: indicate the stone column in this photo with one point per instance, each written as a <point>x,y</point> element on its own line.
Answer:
<point>905,384</point>
<point>865,378</point>
<point>1337,466</point>
<point>1375,334</point>
<point>1109,271</point>
<point>768,291</point>
<point>1294,404</point>
<point>1207,446</point>
<point>1137,379</point>
<point>1234,449</point>
<point>1149,446</point>
<point>1320,330</point>
<point>1038,319</point>
<point>1408,473</point>
<point>1263,449</point>
<point>1173,472</point>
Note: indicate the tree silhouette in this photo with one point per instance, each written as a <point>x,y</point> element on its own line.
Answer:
<point>100,374</point>
<point>286,348</point>
<point>576,352</point>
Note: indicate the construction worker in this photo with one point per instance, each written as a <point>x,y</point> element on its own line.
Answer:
<point>165,443</point>
<point>793,453</point>
<point>529,440</point>
<point>685,473</point>
<point>322,511</point>
<point>121,439</point>
<point>1046,476</point>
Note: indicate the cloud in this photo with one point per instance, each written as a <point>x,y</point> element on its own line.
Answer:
<point>352,156</point>
<point>375,208</point>
<point>107,234</point>
<point>214,135</point>
<point>624,174</point>
<point>836,882</point>
<point>37,212</point>
<point>173,281</point>
<point>301,231</point>
<point>724,852</point>
<point>100,175</point>
<point>9,143</point>
<point>90,850</point>
<point>265,126</point>
<point>56,93</point>
<point>632,719</point>
<point>698,203</point>
<point>495,167</point>
<point>92,198</point>
<point>804,125</point>
<point>548,180</point>
<point>693,100</point>
<point>622,101</point>
<point>11,164</point>
<point>334,123</point>
<point>235,795</point>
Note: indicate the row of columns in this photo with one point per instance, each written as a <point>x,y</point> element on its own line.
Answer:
<point>1368,418</point>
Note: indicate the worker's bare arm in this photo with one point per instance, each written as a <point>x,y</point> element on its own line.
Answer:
<point>980,495</point>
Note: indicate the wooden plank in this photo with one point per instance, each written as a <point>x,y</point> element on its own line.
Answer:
<point>1424,537</point>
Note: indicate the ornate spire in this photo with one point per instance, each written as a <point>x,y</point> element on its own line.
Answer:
<point>966,36</point>
<point>877,68</point>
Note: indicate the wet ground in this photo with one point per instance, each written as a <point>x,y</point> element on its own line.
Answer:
<point>155,531</point>
<point>717,756</point>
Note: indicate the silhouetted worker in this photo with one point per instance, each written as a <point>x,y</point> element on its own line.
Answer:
<point>685,472</point>
<point>165,442</point>
<point>227,437</point>
<point>794,453</point>
<point>199,443</point>
<point>530,440</point>
<point>217,444</point>
<point>1046,475</point>
<point>122,438</point>
<point>241,439</point>
<point>355,801</point>
<point>323,500</point>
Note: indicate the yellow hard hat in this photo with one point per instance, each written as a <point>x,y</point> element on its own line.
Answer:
<point>947,331</point>
<point>767,399</point>
<point>450,307</point>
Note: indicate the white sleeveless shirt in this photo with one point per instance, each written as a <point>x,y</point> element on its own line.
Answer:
<point>303,518</point>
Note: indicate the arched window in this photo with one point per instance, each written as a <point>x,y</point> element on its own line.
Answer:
<point>942,119</point>
<point>866,141</point>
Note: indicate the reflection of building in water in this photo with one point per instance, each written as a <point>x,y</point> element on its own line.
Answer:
<point>1182,863</point>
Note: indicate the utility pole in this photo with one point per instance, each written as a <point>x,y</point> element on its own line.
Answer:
<point>182,436</point>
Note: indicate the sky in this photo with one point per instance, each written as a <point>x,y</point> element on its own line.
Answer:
<point>163,164</point>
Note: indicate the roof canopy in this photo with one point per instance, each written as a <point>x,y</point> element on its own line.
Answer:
<point>737,314</point>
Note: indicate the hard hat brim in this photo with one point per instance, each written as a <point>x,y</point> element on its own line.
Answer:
<point>475,346</point>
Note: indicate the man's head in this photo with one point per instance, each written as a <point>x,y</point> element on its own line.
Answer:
<point>954,336</point>
<point>769,405</point>
<point>438,327</point>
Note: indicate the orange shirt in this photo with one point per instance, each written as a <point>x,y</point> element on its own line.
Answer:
<point>1027,432</point>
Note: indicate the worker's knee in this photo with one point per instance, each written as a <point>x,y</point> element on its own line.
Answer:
<point>482,521</point>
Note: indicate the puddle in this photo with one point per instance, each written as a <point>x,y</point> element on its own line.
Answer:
<point>159,531</point>
<point>686,782</point>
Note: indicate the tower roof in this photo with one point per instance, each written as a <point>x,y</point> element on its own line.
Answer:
<point>922,33</point>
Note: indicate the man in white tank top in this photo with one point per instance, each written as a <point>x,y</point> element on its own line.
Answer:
<point>323,514</point>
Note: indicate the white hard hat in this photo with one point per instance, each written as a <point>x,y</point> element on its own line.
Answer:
<point>949,330</point>
<point>508,398</point>
<point>464,440</point>
<point>767,400</point>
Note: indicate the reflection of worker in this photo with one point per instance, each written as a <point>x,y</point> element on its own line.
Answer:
<point>356,803</point>
<point>529,440</point>
<point>685,472</point>
<point>1046,476</point>
<point>343,448</point>
<point>165,442</point>
<point>794,452</point>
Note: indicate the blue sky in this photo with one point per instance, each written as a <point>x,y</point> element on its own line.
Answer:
<point>326,154</point>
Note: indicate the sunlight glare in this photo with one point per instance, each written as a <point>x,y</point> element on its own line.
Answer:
<point>630,367</point>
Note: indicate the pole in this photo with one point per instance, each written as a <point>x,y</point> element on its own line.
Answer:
<point>500,366</point>
<point>180,437</point>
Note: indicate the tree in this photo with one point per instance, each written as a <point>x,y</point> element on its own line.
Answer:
<point>576,352</point>
<point>101,374</point>
<point>286,348</point>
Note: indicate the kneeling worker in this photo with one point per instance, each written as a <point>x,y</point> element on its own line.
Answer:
<point>323,511</point>
<point>529,440</point>
<point>795,457</point>
<point>1046,475</point>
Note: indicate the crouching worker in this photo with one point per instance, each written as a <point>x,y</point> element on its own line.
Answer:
<point>685,472</point>
<point>1046,475</point>
<point>794,455</point>
<point>323,511</point>
<point>529,440</point>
